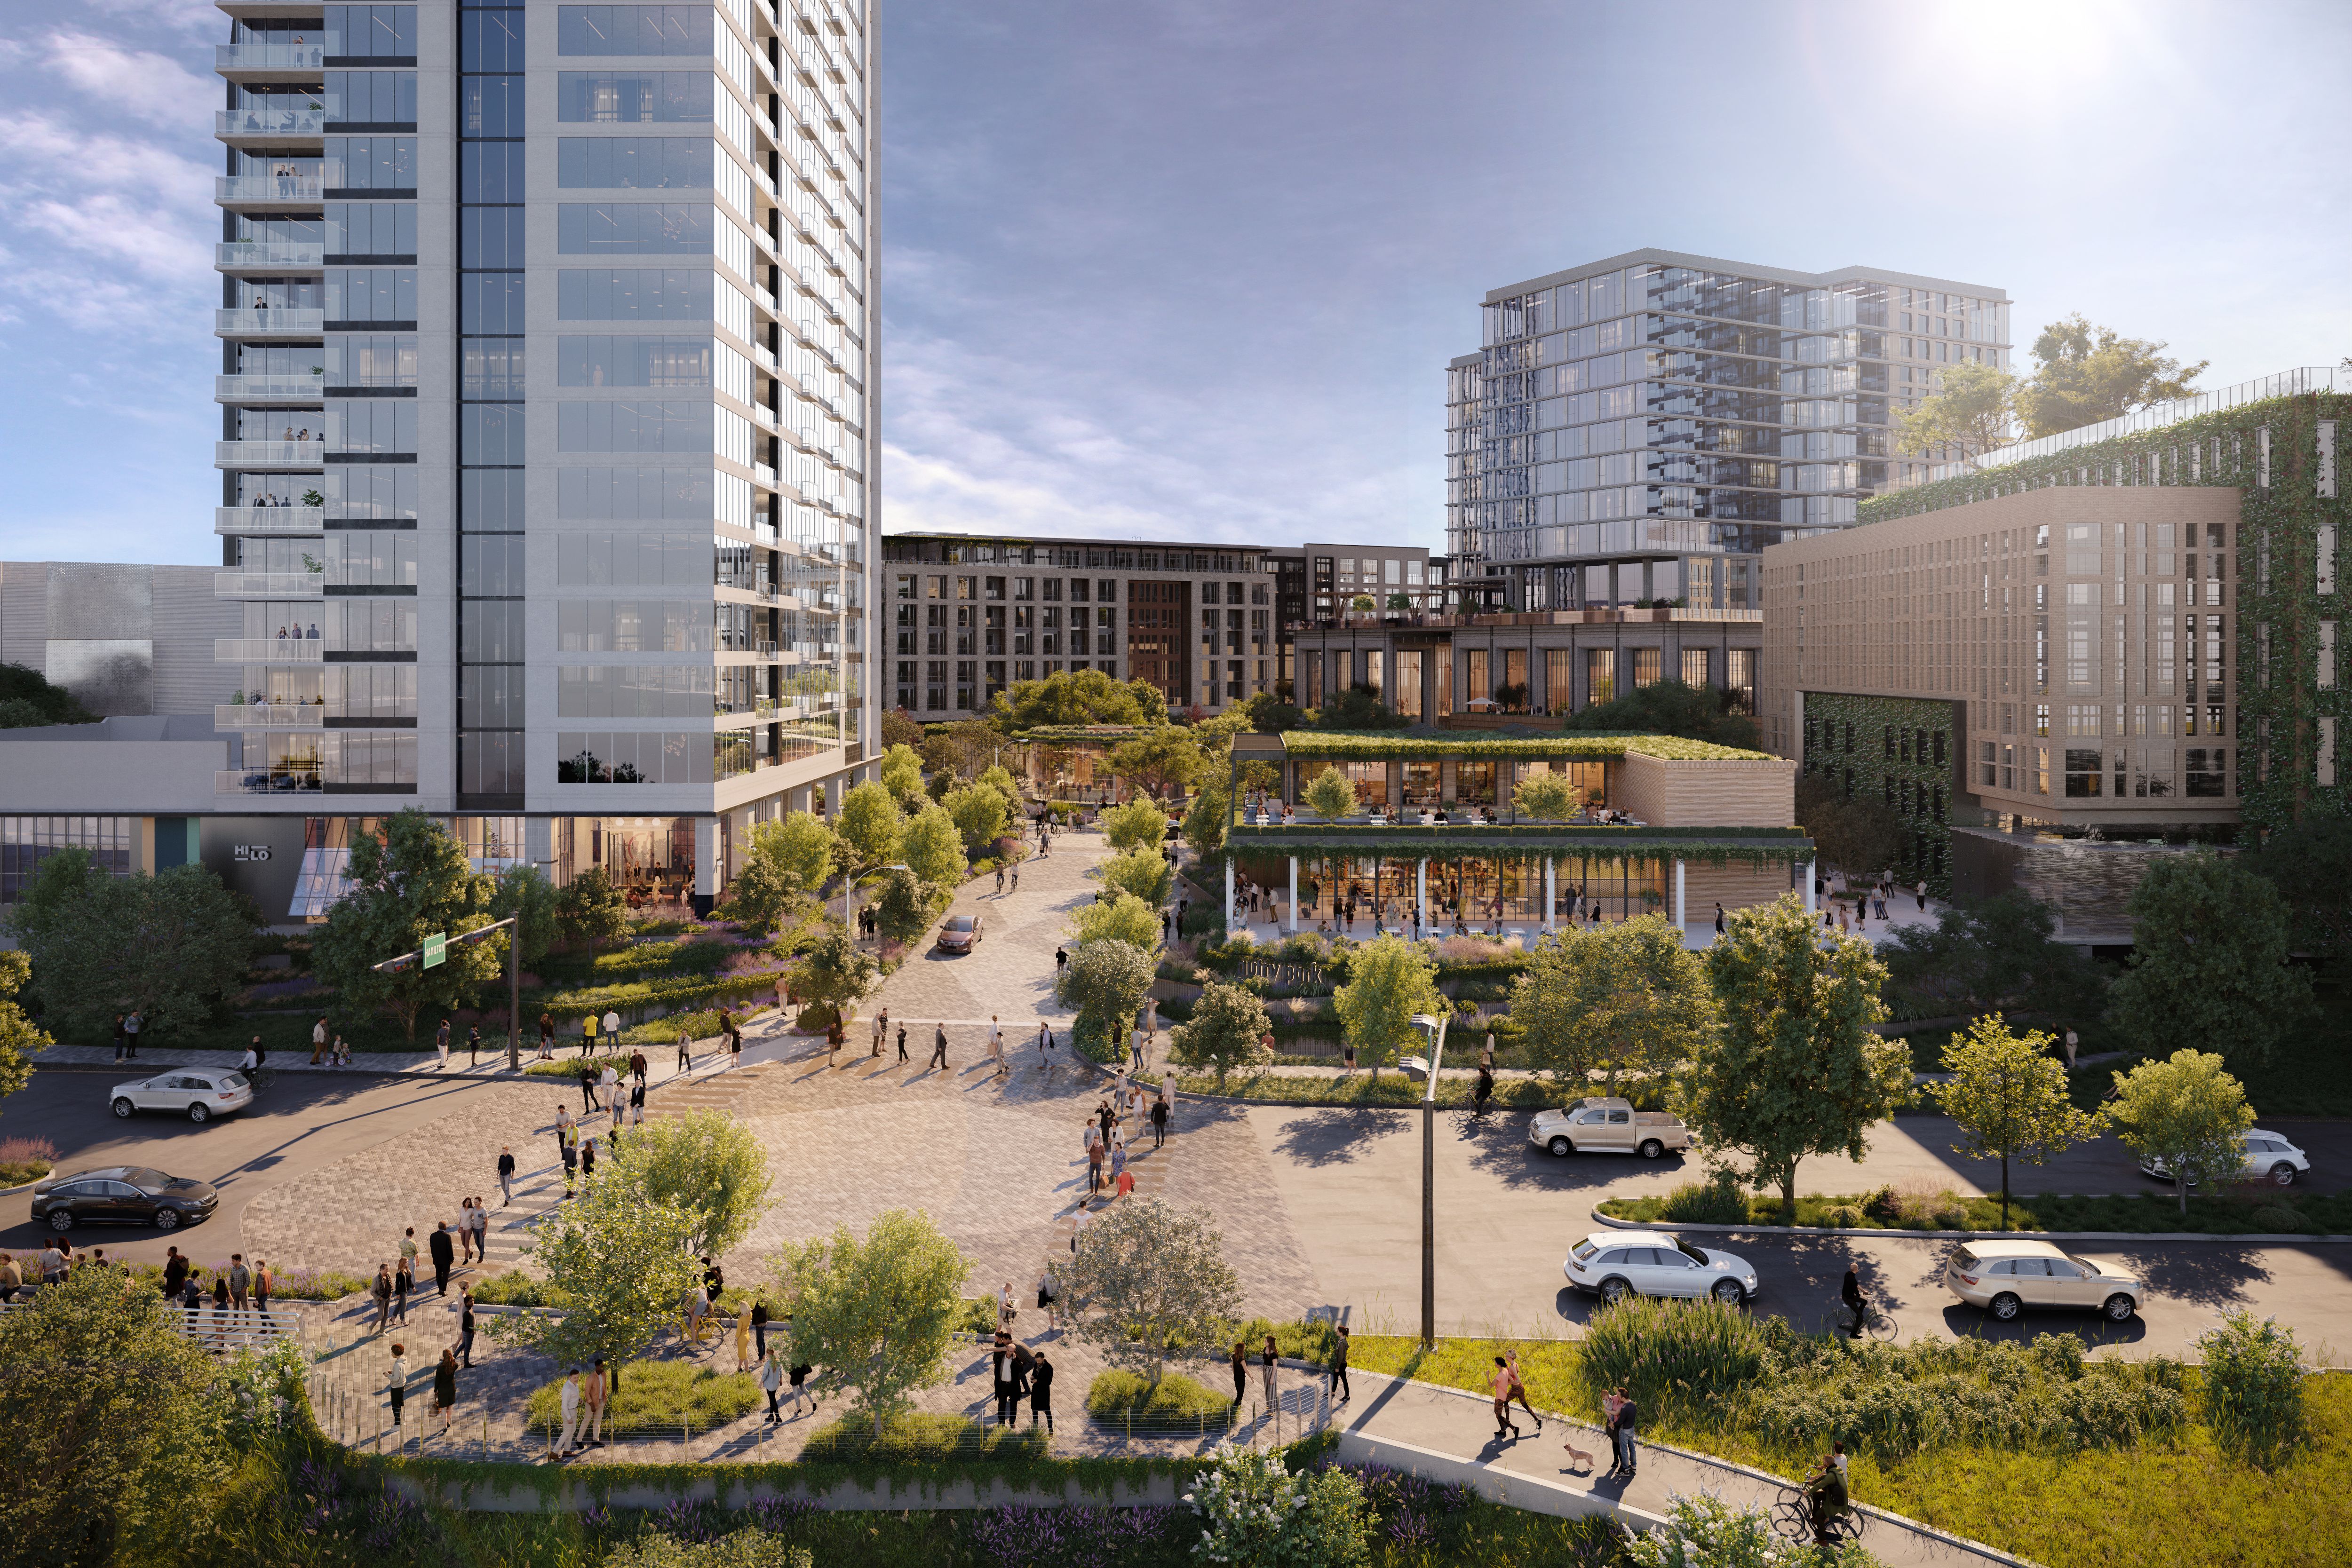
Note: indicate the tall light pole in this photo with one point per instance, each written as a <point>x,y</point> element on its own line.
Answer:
<point>514,974</point>
<point>1435,1028</point>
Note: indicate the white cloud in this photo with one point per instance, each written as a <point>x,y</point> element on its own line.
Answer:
<point>148,86</point>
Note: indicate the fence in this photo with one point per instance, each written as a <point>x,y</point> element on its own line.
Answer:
<point>223,1329</point>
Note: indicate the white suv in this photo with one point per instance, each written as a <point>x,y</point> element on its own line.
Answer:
<point>2267,1155</point>
<point>199,1094</point>
<point>1614,1264</point>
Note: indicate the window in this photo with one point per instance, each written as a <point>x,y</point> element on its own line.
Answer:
<point>634,99</point>
<point>2084,771</point>
<point>632,228</point>
<point>2208,772</point>
<point>1695,666</point>
<point>26,841</point>
<point>634,30</point>
<point>633,163</point>
<point>632,294</point>
<point>1600,675</point>
<point>371,31</point>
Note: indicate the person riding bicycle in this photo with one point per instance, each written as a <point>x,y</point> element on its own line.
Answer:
<point>1826,1501</point>
<point>254,1056</point>
<point>1855,1302</point>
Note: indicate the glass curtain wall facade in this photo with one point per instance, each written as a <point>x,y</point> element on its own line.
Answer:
<point>1638,429</point>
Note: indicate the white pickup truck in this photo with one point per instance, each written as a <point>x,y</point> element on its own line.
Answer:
<point>1598,1125</point>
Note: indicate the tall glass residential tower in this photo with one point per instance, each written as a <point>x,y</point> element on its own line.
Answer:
<point>1639,429</point>
<point>549,408</point>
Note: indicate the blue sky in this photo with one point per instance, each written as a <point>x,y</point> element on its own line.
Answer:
<point>1193,271</point>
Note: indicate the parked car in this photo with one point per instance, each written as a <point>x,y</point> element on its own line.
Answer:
<point>1599,1125</point>
<point>960,932</point>
<point>198,1093</point>
<point>122,1195</point>
<point>2267,1155</point>
<point>2006,1277</point>
<point>1614,1264</point>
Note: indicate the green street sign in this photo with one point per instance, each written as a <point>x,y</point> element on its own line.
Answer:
<point>436,949</point>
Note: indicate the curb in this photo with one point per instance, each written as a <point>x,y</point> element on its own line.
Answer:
<point>1613,1223</point>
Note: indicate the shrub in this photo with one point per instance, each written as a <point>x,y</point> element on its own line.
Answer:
<point>656,1394</point>
<point>743,1549</point>
<point>1115,1392</point>
<point>2278,1218</point>
<point>1718,1200</point>
<point>919,1439</point>
<point>512,1289</point>
<point>1844,1217</point>
<point>2253,1386</point>
<point>1671,1354</point>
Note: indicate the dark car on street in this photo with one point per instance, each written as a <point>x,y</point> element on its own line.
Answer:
<point>122,1195</point>
<point>960,932</point>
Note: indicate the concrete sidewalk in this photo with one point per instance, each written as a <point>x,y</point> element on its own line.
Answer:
<point>1461,1425</point>
<point>710,1056</point>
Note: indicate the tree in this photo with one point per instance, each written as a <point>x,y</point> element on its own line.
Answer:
<point>899,912</point>
<point>1105,984</point>
<point>2187,1114</point>
<point>902,775</point>
<point>1547,797</point>
<point>2090,374</point>
<point>1144,873</point>
<point>2007,1096</point>
<point>899,728</point>
<point>832,973</point>
<point>1621,1000</point>
<point>1271,713</point>
<point>1358,707</point>
<point>1853,835</point>
<point>110,1433</point>
<point>1255,1512</point>
<point>1389,981</point>
<point>1164,759</point>
<point>19,1037</point>
<point>792,857</point>
<point>2310,863</point>
<point>1211,814</point>
<point>870,824</point>
<point>1151,1279</point>
<point>933,848</point>
<point>1228,1029</point>
<point>998,778</point>
<point>1085,697</point>
<point>1125,918</point>
<point>708,1164</point>
<point>875,1315</point>
<point>619,1264</point>
<point>978,813</point>
<point>408,882</point>
<point>590,907</point>
<point>2210,964</point>
<point>32,700</point>
<point>523,893</point>
<point>1330,796</point>
<point>1997,954</point>
<point>1795,1069</point>
<point>1138,823</point>
<point>1974,410</point>
<point>175,945</point>
<point>1668,707</point>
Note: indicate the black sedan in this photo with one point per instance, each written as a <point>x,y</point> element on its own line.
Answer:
<point>122,1195</point>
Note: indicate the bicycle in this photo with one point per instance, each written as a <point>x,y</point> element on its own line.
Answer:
<point>259,1077</point>
<point>1876,1324</point>
<point>1792,1519</point>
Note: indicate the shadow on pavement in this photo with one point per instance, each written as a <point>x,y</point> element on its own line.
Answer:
<point>1336,1138</point>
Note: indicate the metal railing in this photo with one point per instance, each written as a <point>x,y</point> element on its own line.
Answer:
<point>236,255</point>
<point>221,1330</point>
<point>268,520</point>
<point>267,781</point>
<point>233,584</point>
<point>282,322</point>
<point>271,716</point>
<point>251,190</point>
<point>307,120</point>
<point>268,389</point>
<point>268,649</point>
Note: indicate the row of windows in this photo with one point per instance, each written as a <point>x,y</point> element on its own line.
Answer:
<point>2089,773</point>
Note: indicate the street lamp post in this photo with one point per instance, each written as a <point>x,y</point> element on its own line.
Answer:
<point>1435,1028</point>
<point>514,977</point>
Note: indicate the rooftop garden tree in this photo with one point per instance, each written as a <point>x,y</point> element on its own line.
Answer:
<point>1547,797</point>
<point>2085,374</point>
<point>1668,707</point>
<point>1084,697</point>
<point>1330,796</point>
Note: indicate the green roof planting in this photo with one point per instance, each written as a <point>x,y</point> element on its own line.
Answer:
<point>1362,746</point>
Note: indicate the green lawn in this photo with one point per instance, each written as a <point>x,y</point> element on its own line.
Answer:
<point>656,1395</point>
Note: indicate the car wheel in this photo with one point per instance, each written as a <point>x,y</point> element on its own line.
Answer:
<point>1651,1148</point>
<point>199,1113</point>
<point>1614,1289</point>
<point>167,1219</point>
<point>1560,1148</point>
<point>2283,1173</point>
<point>123,1107</point>
<point>1728,1293</point>
<point>61,1220</point>
<point>2120,1308</point>
<point>2005,1306</point>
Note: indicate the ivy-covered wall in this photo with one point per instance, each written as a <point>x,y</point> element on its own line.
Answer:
<point>1899,751</point>
<point>2271,452</point>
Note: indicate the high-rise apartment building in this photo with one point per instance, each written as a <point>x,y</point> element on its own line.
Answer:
<point>1636,430</point>
<point>548,409</point>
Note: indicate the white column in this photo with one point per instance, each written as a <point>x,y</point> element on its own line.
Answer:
<point>1551,900</point>
<point>1810,866</point>
<point>1421,893</point>
<point>1680,914</point>
<point>1229,895</point>
<point>706,854</point>
<point>1294,893</point>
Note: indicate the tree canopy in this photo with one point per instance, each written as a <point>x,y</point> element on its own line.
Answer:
<point>1859,836</point>
<point>1358,707</point>
<point>1614,1000</point>
<point>707,1162</point>
<point>1330,795</point>
<point>2186,1112</point>
<point>1228,1028</point>
<point>1389,981</point>
<point>1123,918</point>
<point>2007,1096</point>
<point>2310,863</point>
<point>2091,373</point>
<point>1997,954</point>
<point>1149,1279</point>
<point>1546,797</point>
<point>869,822</point>
<point>1087,696</point>
<point>1163,760</point>
<point>902,775</point>
<point>1973,410</point>
<point>1105,984</point>
<point>2209,961</point>
<point>979,814</point>
<point>28,700</point>
<point>932,848</point>
<point>833,973</point>
<point>617,1262</point>
<point>174,945</point>
<point>1143,871</point>
<point>407,883</point>
<point>877,1315</point>
<point>590,907</point>
<point>1668,707</point>
<point>1136,823</point>
<point>524,892</point>
<point>19,1037</point>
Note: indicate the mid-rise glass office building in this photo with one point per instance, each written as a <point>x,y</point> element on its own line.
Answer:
<point>1638,429</point>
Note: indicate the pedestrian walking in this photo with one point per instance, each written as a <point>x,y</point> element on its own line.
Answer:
<point>380,1291</point>
<point>403,1282</point>
<point>1159,1118</point>
<point>771,1377</point>
<point>595,1394</point>
<point>637,1065</point>
<point>609,1081</point>
<point>481,1217</point>
<point>441,1044</point>
<point>506,1175</point>
<point>996,1046</point>
<point>1718,920</point>
<point>1041,1391</point>
<point>396,1381</point>
<point>612,1028</point>
<point>1483,1093</point>
<point>1267,1361</point>
<point>1048,1292</point>
<point>220,1303</point>
<point>445,1388</point>
<point>1499,1380</point>
<point>1339,1366</point>
<point>1061,964</point>
<point>546,1036</point>
<point>902,1042</point>
<point>318,1041</point>
<point>800,1375</point>
<point>570,1165</point>
<point>939,1047</point>
<point>1093,1159</point>
<point>1017,877</point>
<point>1000,881</point>
<point>137,1021</point>
<point>562,1127</point>
<point>760,1327</point>
<point>587,1036</point>
<point>122,1041</point>
<point>735,1046</point>
<point>637,1104</point>
<point>743,1338</point>
<point>620,1112</point>
<point>444,1257</point>
<point>1628,1425</point>
<point>588,1161</point>
<point>570,1402</point>
<point>1001,1370</point>
<point>685,1051</point>
<point>240,1282</point>
<point>465,1230</point>
<point>465,1327</point>
<point>175,1271</point>
<point>1519,1389</point>
<point>1135,1050</point>
<point>587,1087</point>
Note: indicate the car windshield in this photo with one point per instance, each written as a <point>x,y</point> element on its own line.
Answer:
<point>147,1180</point>
<point>1690,1252</point>
<point>1584,1250</point>
<point>232,1081</point>
<point>2085,1265</point>
<point>960,923</point>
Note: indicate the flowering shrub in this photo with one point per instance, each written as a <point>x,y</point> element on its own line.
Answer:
<point>1256,1514</point>
<point>1070,1537</point>
<point>1707,1533</point>
<point>262,1394</point>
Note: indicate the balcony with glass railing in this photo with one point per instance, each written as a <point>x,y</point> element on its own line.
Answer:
<point>267,389</point>
<point>268,254</point>
<point>270,780</point>
<point>269,454</point>
<point>268,651</point>
<point>241,585</point>
<point>264,322</point>
<point>240,60</point>
<point>271,716</point>
<point>267,190</point>
<point>272,122</point>
<point>267,521</point>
